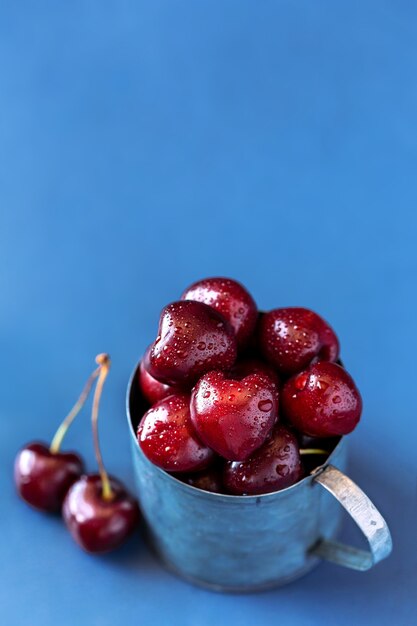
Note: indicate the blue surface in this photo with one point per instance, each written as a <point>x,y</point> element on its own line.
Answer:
<point>144,145</point>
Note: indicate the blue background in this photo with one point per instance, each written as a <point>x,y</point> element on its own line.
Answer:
<point>144,145</point>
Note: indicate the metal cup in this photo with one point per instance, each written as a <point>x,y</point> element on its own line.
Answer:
<point>250,543</point>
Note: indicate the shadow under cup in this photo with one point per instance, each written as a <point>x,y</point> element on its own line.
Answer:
<point>247,543</point>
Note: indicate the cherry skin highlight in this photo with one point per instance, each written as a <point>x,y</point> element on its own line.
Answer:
<point>192,339</point>
<point>274,466</point>
<point>168,439</point>
<point>229,298</point>
<point>43,478</point>
<point>152,389</point>
<point>96,524</point>
<point>322,401</point>
<point>291,338</point>
<point>234,417</point>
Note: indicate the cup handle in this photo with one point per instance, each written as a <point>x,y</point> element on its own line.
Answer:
<point>364,514</point>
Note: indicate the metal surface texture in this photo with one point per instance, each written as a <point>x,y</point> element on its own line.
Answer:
<point>249,543</point>
<point>366,516</point>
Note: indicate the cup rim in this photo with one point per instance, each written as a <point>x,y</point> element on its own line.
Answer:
<point>200,492</point>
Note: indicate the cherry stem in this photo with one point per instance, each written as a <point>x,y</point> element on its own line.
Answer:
<point>103,361</point>
<point>313,451</point>
<point>62,430</point>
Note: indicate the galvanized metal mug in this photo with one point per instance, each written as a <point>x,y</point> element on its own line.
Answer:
<point>249,543</point>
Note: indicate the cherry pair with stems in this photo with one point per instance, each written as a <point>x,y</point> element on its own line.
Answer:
<point>97,509</point>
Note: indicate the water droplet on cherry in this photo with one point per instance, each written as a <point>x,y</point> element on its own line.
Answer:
<point>265,405</point>
<point>282,470</point>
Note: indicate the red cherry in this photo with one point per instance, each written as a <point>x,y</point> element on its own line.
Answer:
<point>230,299</point>
<point>43,478</point>
<point>96,524</point>
<point>254,366</point>
<point>234,417</point>
<point>252,348</point>
<point>192,339</point>
<point>291,338</point>
<point>272,467</point>
<point>152,390</point>
<point>167,437</point>
<point>209,479</point>
<point>322,401</point>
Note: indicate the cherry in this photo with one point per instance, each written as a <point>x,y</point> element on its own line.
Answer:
<point>98,511</point>
<point>274,466</point>
<point>192,339</point>
<point>152,390</point>
<point>291,338</point>
<point>43,478</point>
<point>230,299</point>
<point>322,401</point>
<point>252,348</point>
<point>168,439</point>
<point>97,524</point>
<point>251,365</point>
<point>209,479</point>
<point>234,417</point>
<point>43,474</point>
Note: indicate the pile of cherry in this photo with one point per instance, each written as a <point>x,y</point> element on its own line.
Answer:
<point>241,401</point>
